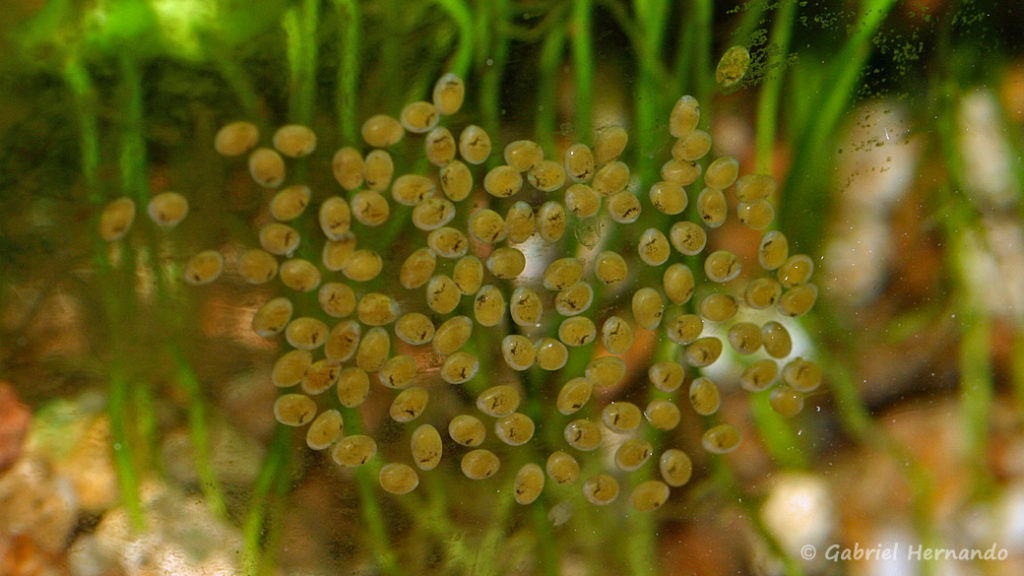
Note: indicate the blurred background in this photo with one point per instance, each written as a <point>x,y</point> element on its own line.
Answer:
<point>136,424</point>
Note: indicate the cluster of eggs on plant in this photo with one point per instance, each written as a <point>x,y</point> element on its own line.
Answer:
<point>481,260</point>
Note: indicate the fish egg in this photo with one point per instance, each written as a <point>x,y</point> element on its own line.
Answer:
<point>573,395</point>
<point>348,166</point>
<point>398,478</point>
<point>649,495</point>
<point>294,409</point>
<point>236,138</point>
<point>203,268</point>
<point>721,439</point>
<point>354,450</point>
<point>474,144</point>
<point>295,140</point>
<point>168,209</point>
<point>480,464</point>
<point>300,275</point>
<point>306,333</point>
<point>562,468</point>
<point>381,131</point>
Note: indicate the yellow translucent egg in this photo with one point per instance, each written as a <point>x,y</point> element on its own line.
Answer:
<point>611,178</point>
<point>609,143</point>
<point>573,395</point>
<point>373,350</point>
<point>503,181</point>
<point>325,430</point>
<point>354,450</point>
<point>419,117</point>
<point>675,467</point>
<point>668,197</point>
<point>546,176</point>
<point>648,308</point>
<point>452,334</point>
<point>320,376</point>
<point>745,337</point>
<point>290,368</point>
<point>449,93</point>
<point>522,155</point>
<point>551,221</point>
<point>786,401</point>
<point>577,331</point>
<point>467,430</point>
<point>756,215</point>
<point>796,270</point>
<point>415,329</point>
<point>562,468</point>
<point>722,266</point>
<point>448,242</point>
<point>474,144</point>
<point>272,317</point>
<point>761,293</point>
<point>649,495</point>
<point>398,478</point>
<point>203,268</point>
<point>376,309</point>
<point>662,414</point>
<point>417,268</point>
<point>525,306</point>
<point>520,222</point>
<point>721,439</point>
<point>498,401</point>
<point>579,162</point>
<point>704,396</point>
<point>574,299</point>
<point>347,166</point>
<point>616,335</point>
<point>703,351</point>
<point>266,167</point>
<point>381,130</point>
<point>443,294</point>
<point>622,416</point>
<point>753,187</point>
<point>562,273</point>
<point>336,253</point>
<point>506,263</point>
<point>732,67</point>
<point>342,340</point>
<point>678,283</point>
<point>468,274</point>
<point>694,145</point>
<point>624,207</point>
<point>289,203</point>
<point>605,371</point>
<point>411,189</point>
<point>295,140</point>
<point>718,307</point>
<point>480,464</point>
<point>459,368</point>
<point>759,376</point>
<point>582,435</point>
<point>712,207</point>
<point>802,375</point>
<point>610,268</point>
<point>398,371</point>
<point>489,306</point>
<point>551,354</point>
<point>685,328</point>
<point>487,226</point>
<point>688,238</point>
<point>582,201</point>
<point>653,247</point>
<point>432,213</point>
<point>236,138</point>
<point>518,351</point>
<point>601,489</point>
<point>666,375</point>
<point>773,250</point>
<point>306,333</point>
<point>682,173</point>
<point>684,117</point>
<point>353,387</point>
<point>776,340</point>
<point>168,209</point>
<point>294,409</point>
<point>721,173</point>
<point>528,484</point>
<point>370,207</point>
<point>426,447</point>
<point>409,404</point>
<point>257,266</point>
<point>379,170</point>
<point>363,265</point>
<point>515,429</point>
<point>440,147</point>
<point>300,275</point>
<point>633,454</point>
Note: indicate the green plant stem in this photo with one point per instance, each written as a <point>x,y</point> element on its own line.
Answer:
<point>491,16</point>
<point>651,18</point>
<point>463,18</point>
<point>750,19</point>
<point>776,433</point>
<point>133,146</point>
<point>300,25</point>
<point>583,66</point>
<point>549,64</point>
<point>124,460</point>
<point>84,94</point>
<point>348,70</point>
<point>234,74</point>
<point>198,431</point>
<point>802,195</point>
<point>275,465</point>
<point>771,88</point>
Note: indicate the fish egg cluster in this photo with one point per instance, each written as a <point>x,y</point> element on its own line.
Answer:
<point>460,299</point>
